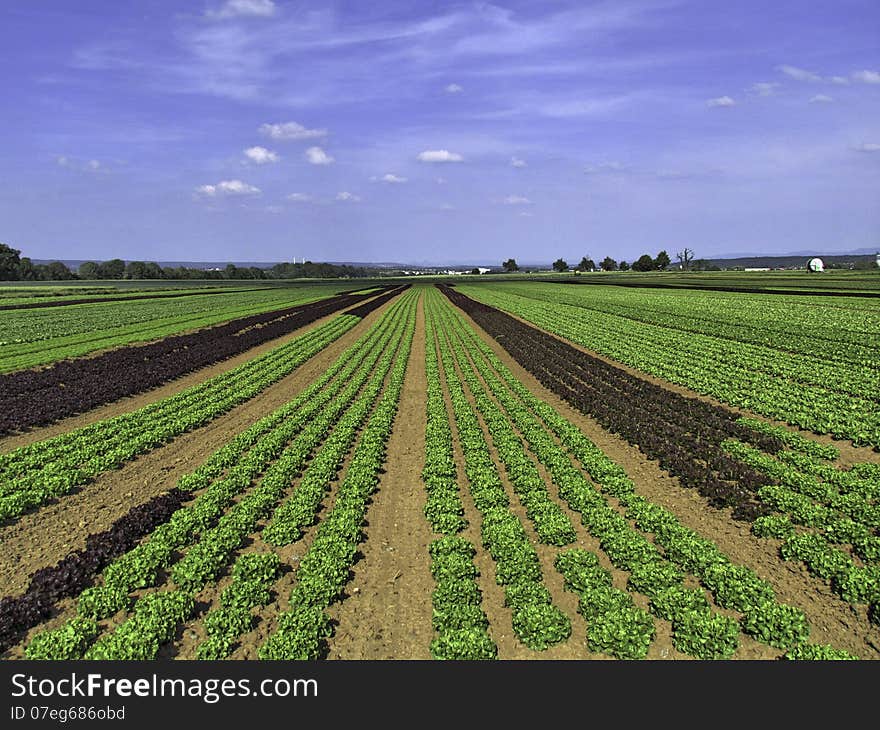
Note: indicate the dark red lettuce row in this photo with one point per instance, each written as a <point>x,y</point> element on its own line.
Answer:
<point>78,570</point>
<point>364,309</point>
<point>134,297</point>
<point>683,433</point>
<point>39,397</point>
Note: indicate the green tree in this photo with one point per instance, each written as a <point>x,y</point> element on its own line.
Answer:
<point>89,270</point>
<point>643,263</point>
<point>152,270</point>
<point>9,262</point>
<point>608,264</point>
<point>662,260</point>
<point>136,270</point>
<point>27,271</point>
<point>112,269</point>
<point>586,264</point>
<point>57,271</point>
<point>475,270</point>
<point>560,265</point>
<point>510,265</point>
<point>623,266</point>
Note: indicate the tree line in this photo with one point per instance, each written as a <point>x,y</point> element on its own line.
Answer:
<point>645,262</point>
<point>14,267</point>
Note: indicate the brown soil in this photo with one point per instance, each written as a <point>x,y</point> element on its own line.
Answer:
<point>45,536</point>
<point>387,613</point>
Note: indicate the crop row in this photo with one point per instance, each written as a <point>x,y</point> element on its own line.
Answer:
<point>32,475</point>
<point>458,618</point>
<point>835,332</point>
<point>75,572</point>
<point>656,569</point>
<point>38,397</point>
<point>840,510</point>
<point>822,396</point>
<point>684,434</point>
<point>325,568</point>
<point>215,525</point>
<point>537,622</point>
<point>40,336</point>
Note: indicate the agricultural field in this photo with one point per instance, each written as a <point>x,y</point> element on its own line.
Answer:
<point>32,333</point>
<point>450,470</point>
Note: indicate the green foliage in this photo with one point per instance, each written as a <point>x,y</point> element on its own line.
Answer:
<point>464,644</point>
<point>776,624</point>
<point>67,642</point>
<point>625,633</point>
<point>818,652</point>
<point>705,635</point>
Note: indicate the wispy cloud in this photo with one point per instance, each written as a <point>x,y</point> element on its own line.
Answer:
<point>300,198</point>
<point>721,101</point>
<point>73,163</point>
<point>799,74</point>
<point>867,77</point>
<point>517,162</point>
<point>260,155</point>
<point>516,200</point>
<point>317,156</point>
<point>389,178</point>
<point>453,89</point>
<point>821,99</point>
<point>227,187</point>
<point>765,88</point>
<point>439,156</point>
<point>347,197</point>
<point>239,8</point>
<point>290,130</point>
<point>868,147</point>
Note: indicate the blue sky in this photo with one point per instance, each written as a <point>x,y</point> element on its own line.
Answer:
<point>431,132</point>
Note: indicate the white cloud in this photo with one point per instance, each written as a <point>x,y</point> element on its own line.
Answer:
<point>453,89</point>
<point>227,187</point>
<point>799,74</point>
<point>347,197</point>
<point>237,8</point>
<point>317,156</point>
<point>389,178</point>
<point>821,99</point>
<point>439,156</point>
<point>721,101</point>
<point>840,80</point>
<point>517,162</point>
<point>300,198</point>
<point>869,147</point>
<point>291,130</point>
<point>764,88</point>
<point>868,77</point>
<point>516,200</point>
<point>260,155</point>
<point>440,180</point>
<point>79,164</point>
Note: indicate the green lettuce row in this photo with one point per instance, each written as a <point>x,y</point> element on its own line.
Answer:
<point>325,568</point>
